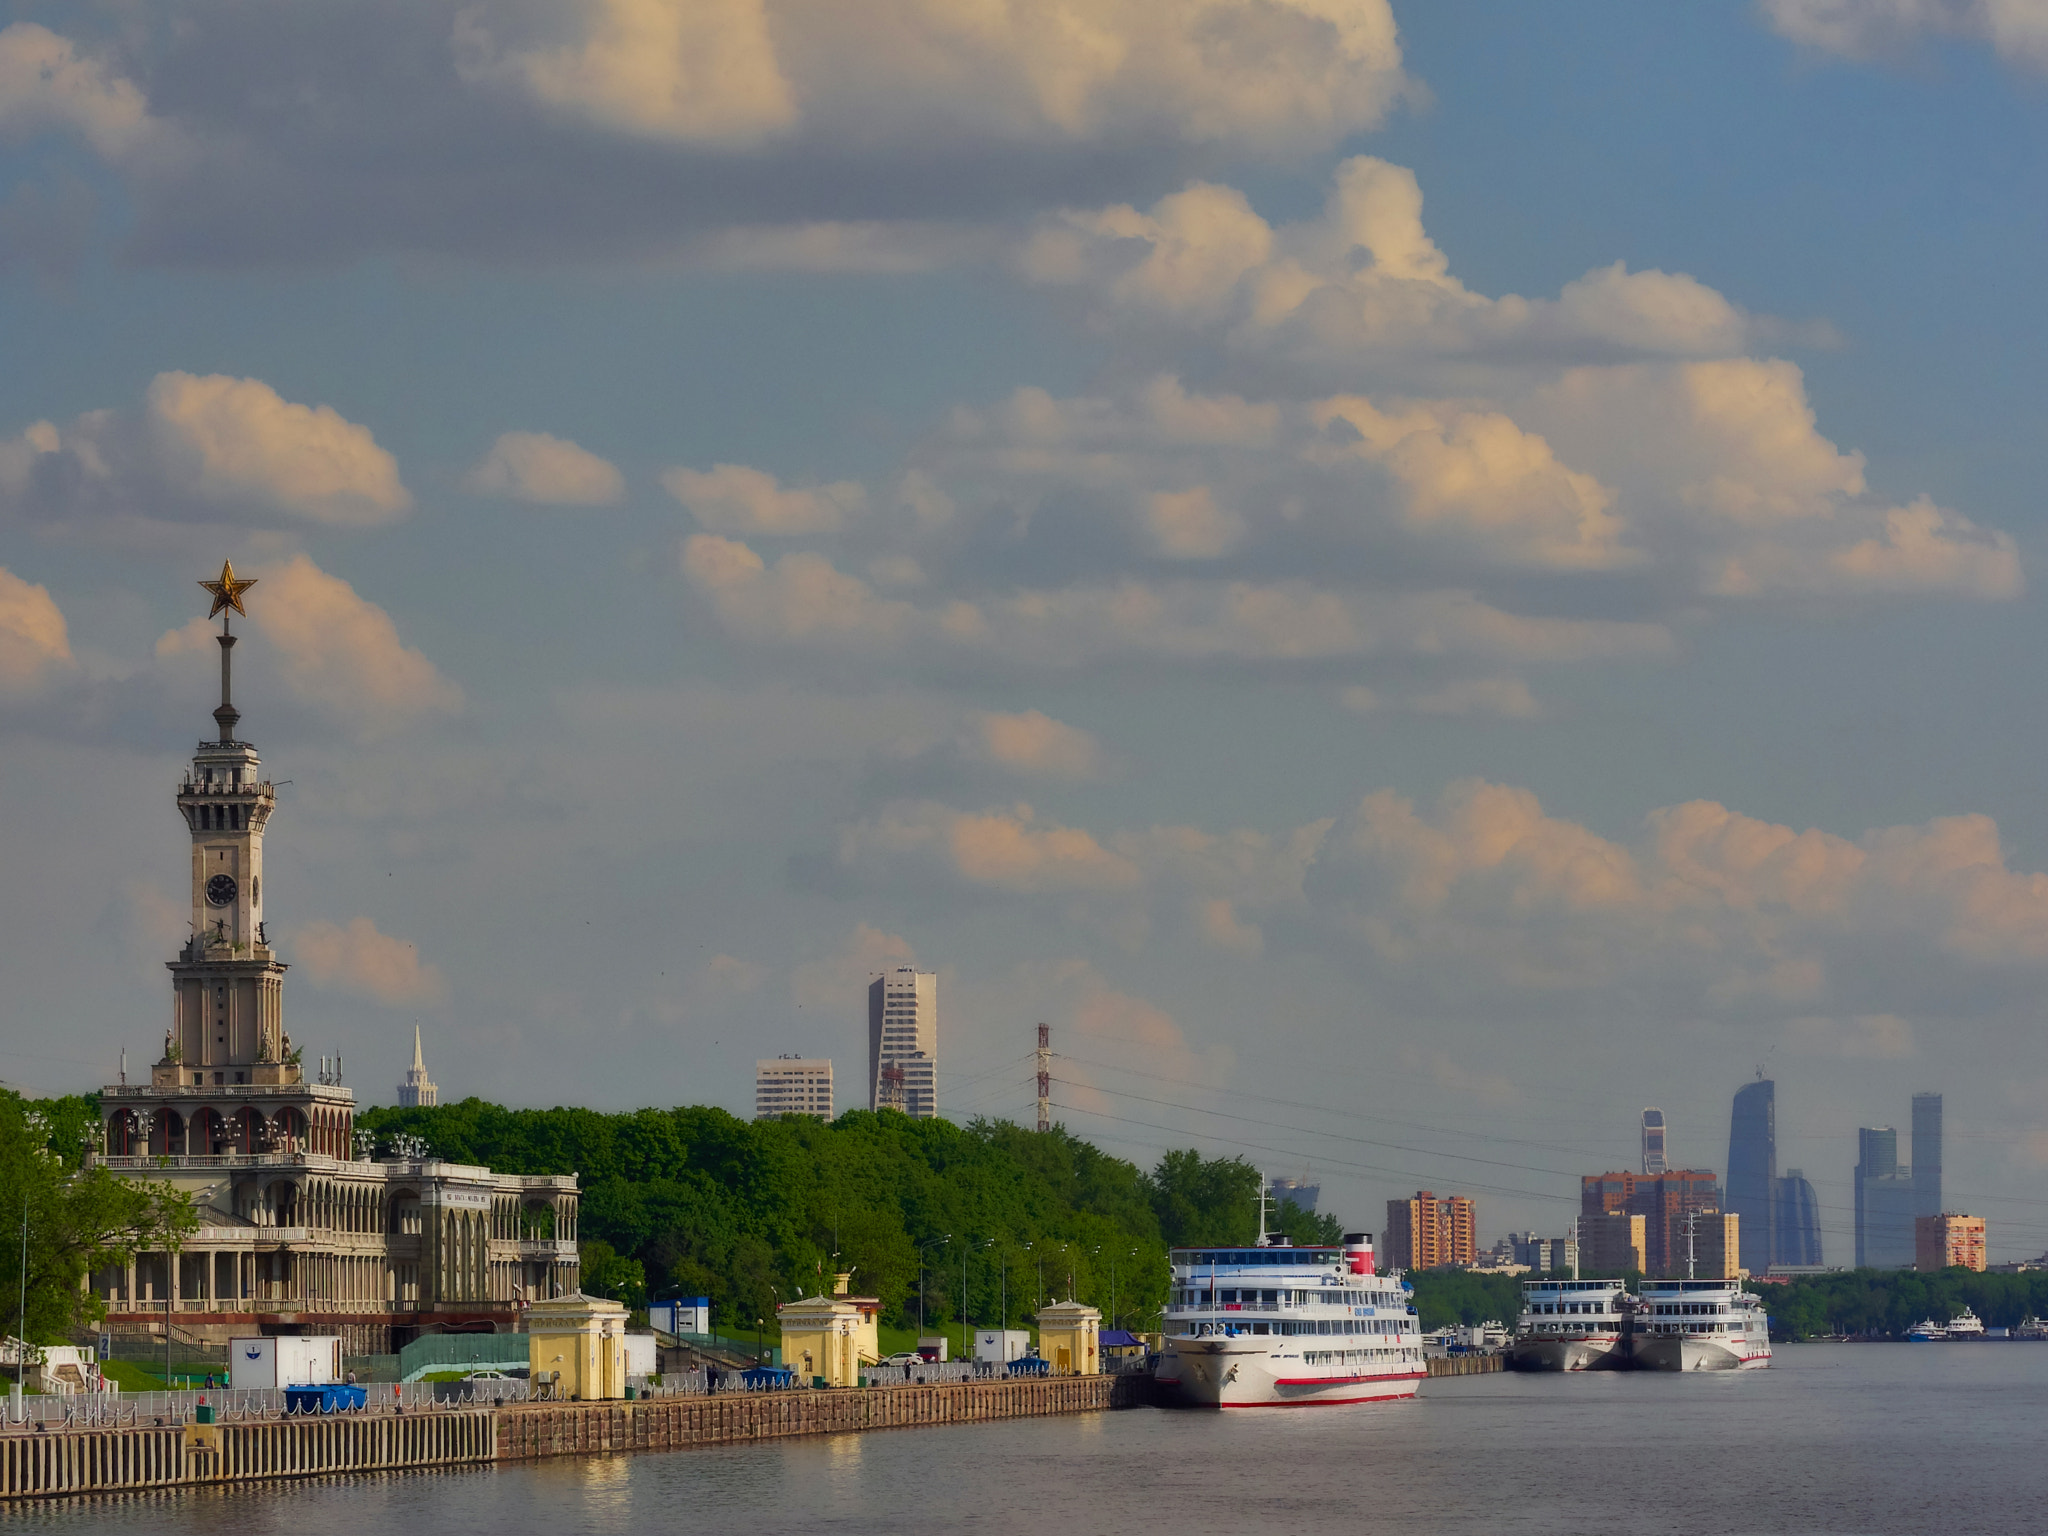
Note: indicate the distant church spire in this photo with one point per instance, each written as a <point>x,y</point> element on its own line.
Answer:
<point>418,1090</point>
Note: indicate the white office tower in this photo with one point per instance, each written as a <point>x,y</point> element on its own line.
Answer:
<point>903,1042</point>
<point>793,1085</point>
<point>418,1090</point>
<point>1654,1160</point>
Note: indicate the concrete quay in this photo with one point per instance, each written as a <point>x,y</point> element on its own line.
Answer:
<point>60,1463</point>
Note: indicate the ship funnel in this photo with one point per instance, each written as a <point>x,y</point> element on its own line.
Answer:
<point>1358,1252</point>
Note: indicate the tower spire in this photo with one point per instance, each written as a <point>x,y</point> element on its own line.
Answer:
<point>227,594</point>
<point>419,1063</point>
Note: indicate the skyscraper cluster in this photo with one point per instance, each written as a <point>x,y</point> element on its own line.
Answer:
<point>1780,1213</point>
<point>1890,1195</point>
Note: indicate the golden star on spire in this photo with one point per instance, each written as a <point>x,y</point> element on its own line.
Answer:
<point>227,592</point>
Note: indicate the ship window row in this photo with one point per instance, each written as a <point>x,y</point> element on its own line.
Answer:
<point>1354,1356</point>
<point>1307,1328</point>
<point>1689,1309</point>
<point>1692,1328</point>
<point>1300,1257</point>
<point>1553,1308</point>
<point>1245,1297</point>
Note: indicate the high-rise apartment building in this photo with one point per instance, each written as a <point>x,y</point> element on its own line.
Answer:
<point>1947,1240</point>
<point>1429,1232</point>
<point>903,1042</point>
<point>1301,1192</point>
<point>1753,1170</point>
<point>1797,1240</point>
<point>1613,1243</point>
<point>1653,1142</point>
<point>1926,1154</point>
<point>1662,1200</point>
<point>793,1085</point>
<point>1884,1201</point>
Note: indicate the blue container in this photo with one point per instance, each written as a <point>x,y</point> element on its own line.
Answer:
<point>1030,1365</point>
<point>332,1398</point>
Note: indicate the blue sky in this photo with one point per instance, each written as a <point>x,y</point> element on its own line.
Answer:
<point>1399,575</point>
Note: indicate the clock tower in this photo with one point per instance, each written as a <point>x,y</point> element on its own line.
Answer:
<point>228,1021</point>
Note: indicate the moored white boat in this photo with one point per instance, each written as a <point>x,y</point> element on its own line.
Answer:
<point>1927,1332</point>
<point>1699,1325</point>
<point>1570,1325</point>
<point>1966,1325</point>
<point>1275,1326</point>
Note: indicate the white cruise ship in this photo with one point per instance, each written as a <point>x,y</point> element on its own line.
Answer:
<point>1276,1327</point>
<point>1570,1325</point>
<point>1699,1325</point>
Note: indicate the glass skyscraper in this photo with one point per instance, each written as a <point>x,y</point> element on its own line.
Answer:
<point>1753,1170</point>
<point>1797,1237</point>
<point>1926,1154</point>
<point>1884,1202</point>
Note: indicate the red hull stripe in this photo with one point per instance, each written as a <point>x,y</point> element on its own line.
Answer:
<point>1328,1402</point>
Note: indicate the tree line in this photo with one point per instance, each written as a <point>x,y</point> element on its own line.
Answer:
<point>966,1221</point>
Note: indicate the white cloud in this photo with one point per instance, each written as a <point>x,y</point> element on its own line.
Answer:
<point>1363,279</point>
<point>803,134</point>
<point>694,71</point>
<point>1034,744</point>
<point>1485,896</point>
<point>34,642</point>
<point>803,601</point>
<point>1863,29</point>
<point>540,467</point>
<point>47,83</point>
<point>203,449</point>
<point>333,650</point>
<point>359,960</point>
<point>1004,849</point>
<point>740,74</point>
<point>731,498</point>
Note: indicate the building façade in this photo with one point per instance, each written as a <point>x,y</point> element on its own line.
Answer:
<point>304,1226</point>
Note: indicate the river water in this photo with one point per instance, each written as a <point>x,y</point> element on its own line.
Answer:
<point>1833,1438</point>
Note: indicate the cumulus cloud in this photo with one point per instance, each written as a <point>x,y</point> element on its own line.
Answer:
<point>1034,744</point>
<point>34,642</point>
<point>1486,896</point>
<point>540,467</point>
<point>1363,277</point>
<point>731,498</point>
<point>504,129</point>
<point>1865,29</point>
<point>334,651</point>
<point>203,449</point>
<point>359,960</point>
<point>1003,849</point>
<point>803,601</point>
<point>47,83</point>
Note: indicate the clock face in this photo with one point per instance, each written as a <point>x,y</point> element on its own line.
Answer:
<point>220,890</point>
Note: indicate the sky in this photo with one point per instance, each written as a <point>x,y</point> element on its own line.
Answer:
<point>1412,579</point>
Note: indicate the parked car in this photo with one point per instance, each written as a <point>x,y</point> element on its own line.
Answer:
<point>488,1376</point>
<point>905,1357</point>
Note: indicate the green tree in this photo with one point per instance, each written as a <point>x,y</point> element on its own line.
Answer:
<point>78,1220</point>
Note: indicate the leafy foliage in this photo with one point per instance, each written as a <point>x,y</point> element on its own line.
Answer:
<point>78,1219</point>
<point>1886,1303</point>
<point>1446,1296</point>
<point>977,1219</point>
